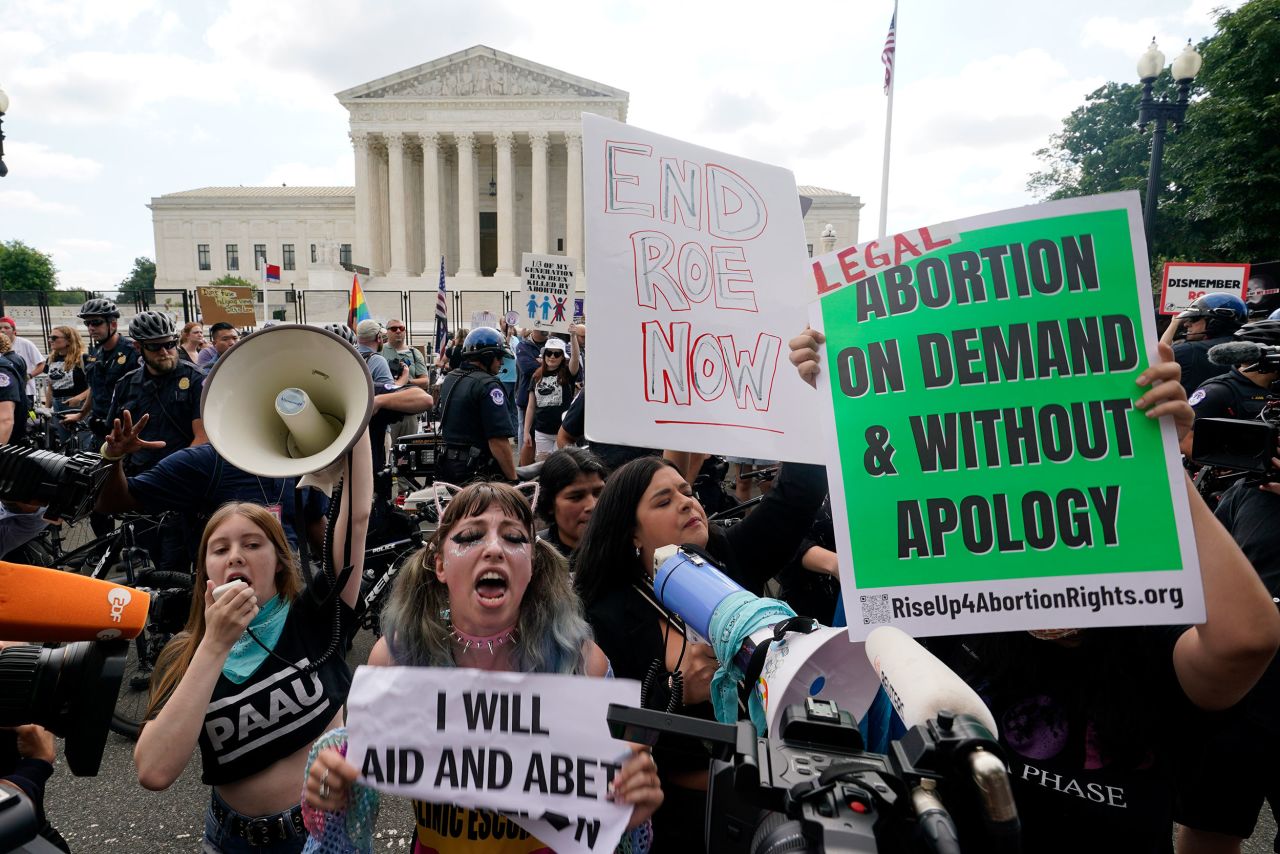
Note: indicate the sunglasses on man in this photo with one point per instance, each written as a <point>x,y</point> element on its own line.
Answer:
<point>160,346</point>
<point>98,322</point>
<point>395,329</point>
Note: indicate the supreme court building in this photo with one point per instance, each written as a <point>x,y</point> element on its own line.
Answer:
<point>476,157</point>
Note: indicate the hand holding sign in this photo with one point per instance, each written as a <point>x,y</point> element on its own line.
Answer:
<point>534,748</point>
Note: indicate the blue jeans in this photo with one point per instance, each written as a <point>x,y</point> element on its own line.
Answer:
<point>220,838</point>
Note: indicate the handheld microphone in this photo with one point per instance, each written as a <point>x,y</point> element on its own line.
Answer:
<point>918,684</point>
<point>1238,353</point>
<point>923,689</point>
<point>86,608</point>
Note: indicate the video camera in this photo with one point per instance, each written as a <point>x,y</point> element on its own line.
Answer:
<point>1241,444</point>
<point>67,486</point>
<point>813,788</point>
<point>69,690</point>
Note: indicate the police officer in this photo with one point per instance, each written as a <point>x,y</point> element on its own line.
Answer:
<point>1244,390</point>
<point>108,360</point>
<point>14,402</point>
<point>474,421</point>
<point>165,388</point>
<point>1207,322</point>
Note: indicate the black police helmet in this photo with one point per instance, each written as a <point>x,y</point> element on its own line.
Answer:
<point>484,343</point>
<point>1225,313</point>
<point>1260,332</point>
<point>151,326</point>
<point>99,307</point>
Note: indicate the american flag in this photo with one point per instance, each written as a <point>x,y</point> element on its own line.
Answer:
<point>886,55</point>
<point>442,317</point>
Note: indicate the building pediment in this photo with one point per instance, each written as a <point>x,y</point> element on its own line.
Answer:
<point>481,73</point>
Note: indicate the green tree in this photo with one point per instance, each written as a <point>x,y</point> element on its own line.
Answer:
<point>1219,198</point>
<point>140,282</point>
<point>23,268</point>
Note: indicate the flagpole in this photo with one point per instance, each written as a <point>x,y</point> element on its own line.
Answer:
<point>888,130</point>
<point>266,292</point>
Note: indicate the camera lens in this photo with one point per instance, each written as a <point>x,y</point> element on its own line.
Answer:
<point>67,486</point>
<point>70,691</point>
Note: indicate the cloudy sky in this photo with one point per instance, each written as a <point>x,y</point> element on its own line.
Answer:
<point>113,103</point>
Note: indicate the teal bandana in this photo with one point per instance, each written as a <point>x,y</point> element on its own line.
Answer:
<point>246,654</point>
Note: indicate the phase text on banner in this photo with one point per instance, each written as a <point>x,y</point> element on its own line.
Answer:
<point>697,262</point>
<point>994,471</point>
<point>535,747</point>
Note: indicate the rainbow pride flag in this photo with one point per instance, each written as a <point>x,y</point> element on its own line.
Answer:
<point>357,309</point>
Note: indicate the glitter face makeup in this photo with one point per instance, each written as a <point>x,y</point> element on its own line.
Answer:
<point>486,562</point>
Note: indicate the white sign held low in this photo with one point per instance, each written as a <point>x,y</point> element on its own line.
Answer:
<point>534,747</point>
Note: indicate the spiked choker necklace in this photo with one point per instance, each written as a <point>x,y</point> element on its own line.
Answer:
<point>492,642</point>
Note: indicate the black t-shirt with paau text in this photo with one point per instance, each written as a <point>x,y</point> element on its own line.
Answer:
<point>278,710</point>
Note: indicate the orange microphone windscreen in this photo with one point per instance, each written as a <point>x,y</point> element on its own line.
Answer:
<point>38,604</point>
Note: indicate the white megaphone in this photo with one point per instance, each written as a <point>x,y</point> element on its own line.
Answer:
<point>822,663</point>
<point>287,401</point>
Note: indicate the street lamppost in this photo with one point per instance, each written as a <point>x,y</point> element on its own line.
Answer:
<point>4,108</point>
<point>1162,111</point>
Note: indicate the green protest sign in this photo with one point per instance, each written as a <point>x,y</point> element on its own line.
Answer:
<point>994,472</point>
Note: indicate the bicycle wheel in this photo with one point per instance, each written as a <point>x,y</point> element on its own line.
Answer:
<point>170,603</point>
<point>375,593</point>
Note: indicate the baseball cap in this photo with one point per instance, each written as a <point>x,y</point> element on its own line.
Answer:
<point>368,328</point>
<point>553,344</point>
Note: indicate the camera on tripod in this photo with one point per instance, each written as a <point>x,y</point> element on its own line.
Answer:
<point>811,786</point>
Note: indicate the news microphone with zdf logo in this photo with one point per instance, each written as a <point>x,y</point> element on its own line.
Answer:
<point>38,604</point>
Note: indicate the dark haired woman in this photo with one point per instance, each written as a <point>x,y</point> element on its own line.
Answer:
<point>550,393</point>
<point>572,480</point>
<point>646,505</point>
<point>486,594</point>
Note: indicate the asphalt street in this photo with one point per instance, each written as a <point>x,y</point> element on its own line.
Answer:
<point>111,812</point>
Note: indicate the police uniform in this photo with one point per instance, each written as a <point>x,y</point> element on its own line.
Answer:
<point>1232,395</point>
<point>103,370</point>
<point>474,407</point>
<point>13,389</point>
<point>173,402</point>
<point>1193,356</point>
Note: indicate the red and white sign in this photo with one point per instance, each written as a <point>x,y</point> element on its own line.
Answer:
<point>698,281</point>
<point>1186,282</point>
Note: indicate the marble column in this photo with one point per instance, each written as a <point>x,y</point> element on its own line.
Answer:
<point>573,199</point>
<point>506,202</point>
<point>379,260</point>
<point>362,252</point>
<point>413,215</point>
<point>538,200</point>
<point>432,240</point>
<point>468,222</point>
<point>396,205</point>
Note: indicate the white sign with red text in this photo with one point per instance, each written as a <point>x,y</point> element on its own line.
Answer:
<point>699,278</point>
<point>1185,282</point>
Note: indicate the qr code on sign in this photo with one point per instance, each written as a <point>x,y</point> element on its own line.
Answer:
<point>875,609</point>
